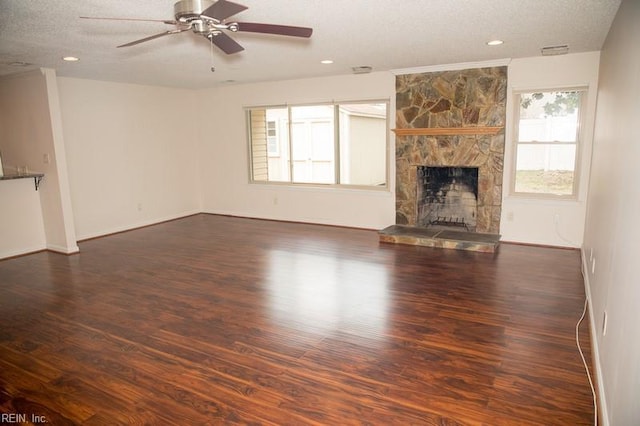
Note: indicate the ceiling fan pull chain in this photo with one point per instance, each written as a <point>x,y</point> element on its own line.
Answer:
<point>213,69</point>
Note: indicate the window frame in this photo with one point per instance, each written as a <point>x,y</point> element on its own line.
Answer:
<point>337,160</point>
<point>579,143</point>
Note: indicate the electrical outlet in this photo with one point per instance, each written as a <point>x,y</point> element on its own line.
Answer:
<point>604,323</point>
<point>139,207</point>
<point>593,266</point>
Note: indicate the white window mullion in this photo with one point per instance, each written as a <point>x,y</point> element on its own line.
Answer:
<point>290,130</point>
<point>336,142</point>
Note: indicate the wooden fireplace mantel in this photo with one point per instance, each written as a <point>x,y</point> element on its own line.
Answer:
<point>447,131</point>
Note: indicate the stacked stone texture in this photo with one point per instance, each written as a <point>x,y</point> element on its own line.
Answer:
<point>463,98</point>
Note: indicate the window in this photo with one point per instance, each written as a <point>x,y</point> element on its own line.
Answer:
<point>331,144</point>
<point>547,140</point>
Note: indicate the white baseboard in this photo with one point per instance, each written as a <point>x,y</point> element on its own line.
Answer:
<point>293,219</point>
<point>315,221</point>
<point>62,249</point>
<point>603,415</point>
<point>135,225</point>
<point>75,249</point>
<point>21,252</point>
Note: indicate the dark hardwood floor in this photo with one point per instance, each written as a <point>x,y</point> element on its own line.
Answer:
<point>220,320</point>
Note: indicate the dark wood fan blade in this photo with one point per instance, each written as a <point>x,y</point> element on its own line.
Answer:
<point>169,22</point>
<point>142,40</point>
<point>222,9</point>
<point>286,30</point>
<point>225,43</point>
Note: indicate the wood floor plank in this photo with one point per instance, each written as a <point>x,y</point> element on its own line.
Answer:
<point>221,320</point>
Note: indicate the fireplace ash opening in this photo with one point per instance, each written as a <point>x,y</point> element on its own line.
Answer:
<point>447,197</point>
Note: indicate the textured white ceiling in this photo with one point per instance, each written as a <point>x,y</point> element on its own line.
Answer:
<point>383,34</point>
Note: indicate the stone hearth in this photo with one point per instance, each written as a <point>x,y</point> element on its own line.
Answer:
<point>461,99</point>
<point>459,240</point>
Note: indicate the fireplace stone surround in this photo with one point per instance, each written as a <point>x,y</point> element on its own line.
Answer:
<point>445,116</point>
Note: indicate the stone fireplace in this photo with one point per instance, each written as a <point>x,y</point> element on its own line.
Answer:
<point>454,121</point>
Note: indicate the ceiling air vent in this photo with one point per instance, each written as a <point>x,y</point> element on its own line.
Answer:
<point>555,50</point>
<point>361,70</point>
<point>19,64</point>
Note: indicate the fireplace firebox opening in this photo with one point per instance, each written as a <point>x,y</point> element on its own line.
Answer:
<point>447,197</point>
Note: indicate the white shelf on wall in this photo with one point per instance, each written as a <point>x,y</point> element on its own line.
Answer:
<point>37,177</point>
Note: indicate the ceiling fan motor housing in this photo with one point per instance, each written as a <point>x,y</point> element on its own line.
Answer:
<point>188,10</point>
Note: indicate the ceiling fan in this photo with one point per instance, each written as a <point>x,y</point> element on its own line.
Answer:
<point>208,18</point>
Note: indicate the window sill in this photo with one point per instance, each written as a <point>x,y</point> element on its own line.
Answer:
<point>322,187</point>
<point>543,198</point>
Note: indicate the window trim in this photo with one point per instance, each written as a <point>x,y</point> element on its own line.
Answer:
<point>579,144</point>
<point>336,104</point>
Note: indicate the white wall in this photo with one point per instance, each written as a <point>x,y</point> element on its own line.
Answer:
<point>224,163</point>
<point>138,155</point>
<point>224,159</point>
<point>61,220</point>
<point>30,129</point>
<point>131,154</point>
<point>21,224</point>
<point>532,220</point>
<point>612,231</point>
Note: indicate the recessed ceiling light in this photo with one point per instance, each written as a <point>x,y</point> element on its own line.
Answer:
<point>326,61</point>
<point>70,59</point>
<point>495,42</point>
